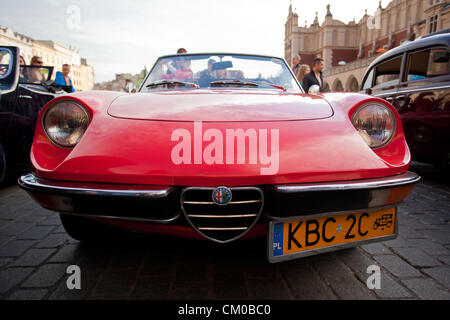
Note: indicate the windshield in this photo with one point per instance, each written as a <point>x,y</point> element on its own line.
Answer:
<point>219,71</point>
<point>34,74</point>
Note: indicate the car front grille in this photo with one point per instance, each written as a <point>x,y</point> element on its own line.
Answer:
<point>222,223</point>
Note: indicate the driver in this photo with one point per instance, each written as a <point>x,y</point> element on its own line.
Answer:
<point>183,71</point>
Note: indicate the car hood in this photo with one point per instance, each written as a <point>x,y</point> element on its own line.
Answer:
<point>220,105</point>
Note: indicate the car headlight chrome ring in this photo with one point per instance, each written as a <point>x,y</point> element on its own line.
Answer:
<point>375,123</point>
<point>65,122</point>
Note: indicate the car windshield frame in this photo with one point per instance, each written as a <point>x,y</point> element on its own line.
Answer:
<point>198,56</point>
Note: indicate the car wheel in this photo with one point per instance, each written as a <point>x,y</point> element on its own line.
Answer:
<point>3,165</point>
<point>90,231</point>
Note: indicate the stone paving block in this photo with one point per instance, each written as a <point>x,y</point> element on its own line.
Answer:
<point>33,257</point>
<point>151,289</point>
<point>409,233</point>
<point>33,294</point>
<point>359,262</point>
<point>430,247</point>
<point>15,248</point>
<point>114,284</point>
<point>397,266</point>
<point>304,282</point>
<point>442,237</point>
<point>445,259</point>
<point>194,277</point>
<point>53,220</point>
<point>15,228</point>
<point>427,289</point>
<point>262,289</point>
<point>46,276</point>
<point>5,261</point>
<point>397,242</point>
<point>5,239</point>
<point>68,253</point>
<point>89,278</point>
<point>230,285</point>
<point>440,274</point>
<point>53,240</point>
<point>11,277</point>
<point>342,280</point>
<point>416,257</point>
<point>376,248</point>
<point>37,232</point>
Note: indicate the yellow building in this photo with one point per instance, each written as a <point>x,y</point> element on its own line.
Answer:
<point>53,54</point>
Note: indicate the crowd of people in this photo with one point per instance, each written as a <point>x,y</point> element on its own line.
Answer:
<point>308,76</point>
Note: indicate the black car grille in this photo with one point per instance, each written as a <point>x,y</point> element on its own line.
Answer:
<point>222,223</point>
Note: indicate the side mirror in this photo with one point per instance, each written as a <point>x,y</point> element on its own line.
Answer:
<point>314,89</point>
<point>9,69</point>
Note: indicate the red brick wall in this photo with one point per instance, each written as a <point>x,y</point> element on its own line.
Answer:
<point>346,55</point>
<point>307,58</point>
<point>399,37</point>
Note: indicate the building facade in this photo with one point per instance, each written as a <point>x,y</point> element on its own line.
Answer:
<point>348,48</point>
<point>53,54</point>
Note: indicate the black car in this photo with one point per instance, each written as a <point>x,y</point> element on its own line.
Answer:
<point>24,90</point>
<point>415,78</point>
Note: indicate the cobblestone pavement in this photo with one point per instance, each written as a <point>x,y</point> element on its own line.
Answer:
<point>35,253</point>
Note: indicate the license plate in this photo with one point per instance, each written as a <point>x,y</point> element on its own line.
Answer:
<point>312,235</point>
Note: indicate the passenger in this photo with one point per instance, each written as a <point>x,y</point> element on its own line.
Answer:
<point>221,74</point>
<point>63,79</point>
<point>183,71</point>
<point>34,74</point>
<point>208,73</point>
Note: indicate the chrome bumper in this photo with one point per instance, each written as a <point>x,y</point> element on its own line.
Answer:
<point>163,204</point>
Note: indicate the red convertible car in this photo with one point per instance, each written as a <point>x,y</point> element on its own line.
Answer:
<point>223,147</point>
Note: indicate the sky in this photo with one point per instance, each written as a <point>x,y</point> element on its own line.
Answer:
<point>124,36</point>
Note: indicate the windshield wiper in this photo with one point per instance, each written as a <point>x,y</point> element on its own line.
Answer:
<point>172,82</point>
<point>221,83</point>
<point>243,83</point>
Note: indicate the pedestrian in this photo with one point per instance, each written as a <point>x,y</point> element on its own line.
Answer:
<point>315,76</point>
<point>63,79</point>
<point>296,63</point>
<point>181,50</point>
<point>302,71</point>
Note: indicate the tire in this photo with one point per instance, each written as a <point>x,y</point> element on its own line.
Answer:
<point>90,231</point>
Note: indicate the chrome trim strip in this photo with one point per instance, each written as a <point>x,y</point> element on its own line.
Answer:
<point>224,216</point>
<point>211,189</point>
<point>160,221</point>
<point>312,252</point>
<point>30,181</point>
<point>222,228</point>
<point>385,182</point>
<point>211,202</point>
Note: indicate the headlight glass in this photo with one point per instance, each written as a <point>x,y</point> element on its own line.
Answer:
<point>375,123</point>
<point>65,123</point>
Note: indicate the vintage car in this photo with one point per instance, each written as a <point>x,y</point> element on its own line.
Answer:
<point>415,78</point>
<point>222,147</point>
<point>22,96</point>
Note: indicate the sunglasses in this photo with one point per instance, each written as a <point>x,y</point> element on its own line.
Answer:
<point>39,62</point>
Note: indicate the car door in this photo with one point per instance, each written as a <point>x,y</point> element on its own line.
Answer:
<point>386,78</point>
<point>423,101</point>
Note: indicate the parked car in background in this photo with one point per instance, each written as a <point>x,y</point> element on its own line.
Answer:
<point>20,103</point>
<point>415,78</point>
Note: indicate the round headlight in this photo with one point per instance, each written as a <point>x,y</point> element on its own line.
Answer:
<point>65,123</point>
<point>375,123</point>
